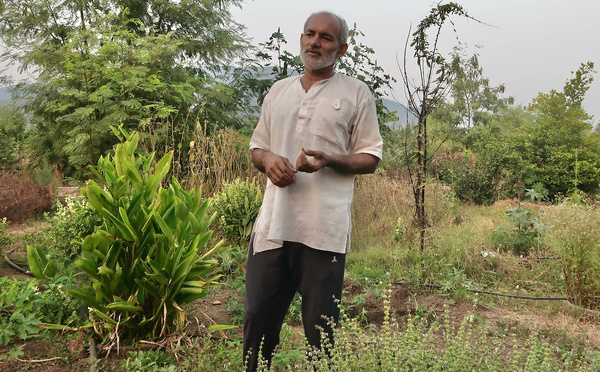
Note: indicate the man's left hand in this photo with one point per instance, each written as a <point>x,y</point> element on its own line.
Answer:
<point>304,164</point>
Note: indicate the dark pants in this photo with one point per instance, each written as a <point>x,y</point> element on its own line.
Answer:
<point>272,279</point>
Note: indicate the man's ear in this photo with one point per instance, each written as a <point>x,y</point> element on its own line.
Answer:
<point>342,51</point>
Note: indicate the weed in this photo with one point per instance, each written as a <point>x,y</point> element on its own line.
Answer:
<point>528,231</point>
<point>236,206</point>
<point>4,238</point>
<point>148,361</point>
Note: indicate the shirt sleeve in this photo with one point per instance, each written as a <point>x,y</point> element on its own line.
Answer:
<point>261,138</point>
<point>365,131</point>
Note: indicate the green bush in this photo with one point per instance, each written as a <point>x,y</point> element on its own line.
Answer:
<point>73,220</point>
<point>144,262</point>
<point>24,306</point>
<point>528,231</point>
<point>4,238</point>
<point>473,179</point>
<point>237,206</point>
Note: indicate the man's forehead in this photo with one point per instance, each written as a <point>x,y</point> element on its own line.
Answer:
<point>322,21</point>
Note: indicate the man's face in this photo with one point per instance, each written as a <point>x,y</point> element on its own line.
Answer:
<point>319,44</point>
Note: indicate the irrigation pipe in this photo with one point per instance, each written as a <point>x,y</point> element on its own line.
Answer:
<point>499,294</point>
<point>13,265</point>
<point>519,297</point>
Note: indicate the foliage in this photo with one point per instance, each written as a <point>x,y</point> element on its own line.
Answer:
<point>17,306</point>
<point>424,344</point>
<point>69,225</point>
<point>12,136</point>
<point>473,179</point>
<point>577,244</point>
<point>237,206</point>
<point>5,239</point>
<point>556,145</point>
<point>232,260</point>
<point>215,159</point>
<point>115,62</point>
<point>148,361</point>
<point>473,99</point>
<point>24,306</point>
<point>527,231</point>
<point>143,263</point>
<point>21,198</point>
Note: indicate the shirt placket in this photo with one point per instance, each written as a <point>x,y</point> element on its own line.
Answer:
<point>307,108</point>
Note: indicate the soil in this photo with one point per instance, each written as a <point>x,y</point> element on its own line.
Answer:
<point>559,318</point>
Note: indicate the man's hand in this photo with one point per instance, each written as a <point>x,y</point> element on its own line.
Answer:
<point>318,161</point>
<point>355,163</point>
<point>279,169</point>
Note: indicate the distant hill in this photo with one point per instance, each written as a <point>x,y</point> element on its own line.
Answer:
<point>402,114</point>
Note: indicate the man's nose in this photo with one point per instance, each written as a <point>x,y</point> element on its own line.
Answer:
<point>315,42</point>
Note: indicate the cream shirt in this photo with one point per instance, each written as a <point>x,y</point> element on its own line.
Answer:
<point>336,116</point>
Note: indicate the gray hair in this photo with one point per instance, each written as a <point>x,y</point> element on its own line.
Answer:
<point>344,29</point>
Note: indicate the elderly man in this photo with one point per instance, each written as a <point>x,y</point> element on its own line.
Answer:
<point>327,123</point>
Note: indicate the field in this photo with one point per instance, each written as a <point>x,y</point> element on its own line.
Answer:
<point>463,297</point>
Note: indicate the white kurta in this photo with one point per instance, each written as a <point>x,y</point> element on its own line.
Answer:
<point>336,116</point>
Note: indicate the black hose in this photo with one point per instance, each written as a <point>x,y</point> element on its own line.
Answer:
<point>13,265</point>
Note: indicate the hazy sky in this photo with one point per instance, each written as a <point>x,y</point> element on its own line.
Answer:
<point>531,46</point>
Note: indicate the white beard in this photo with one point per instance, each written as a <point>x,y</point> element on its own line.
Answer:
<point>317,63</point>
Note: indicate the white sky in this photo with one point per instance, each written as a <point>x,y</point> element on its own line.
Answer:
<point>531,47</point>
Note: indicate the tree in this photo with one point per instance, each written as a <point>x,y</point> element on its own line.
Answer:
<point>473,99</point>
<point>119,62</point>
<point>559,148</point>
<point>428,92</point>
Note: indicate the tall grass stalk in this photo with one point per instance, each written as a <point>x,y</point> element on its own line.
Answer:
<point>577,240</point>
<point>204,157</point>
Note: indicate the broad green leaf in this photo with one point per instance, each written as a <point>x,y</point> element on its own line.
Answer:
<point>124,307</point>
<point>84,296</point>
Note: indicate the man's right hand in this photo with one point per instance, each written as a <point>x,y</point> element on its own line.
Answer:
<point>279,169</point>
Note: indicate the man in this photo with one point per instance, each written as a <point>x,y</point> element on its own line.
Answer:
<point>327,122</point>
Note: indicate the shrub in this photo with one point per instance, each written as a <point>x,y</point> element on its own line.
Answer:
<point>148,361</point>
<point>237,206</point>
<point>473,179</point>
<point>577,244</point>
<point>144,262</point>
<point>24,306</point>
<point>528,231</point>
<point>73,221</point>
<point>21,198</point>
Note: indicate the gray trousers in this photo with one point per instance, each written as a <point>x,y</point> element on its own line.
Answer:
<point>272,279</point>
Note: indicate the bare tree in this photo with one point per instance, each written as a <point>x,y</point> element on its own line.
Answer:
<point>424,94</point>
